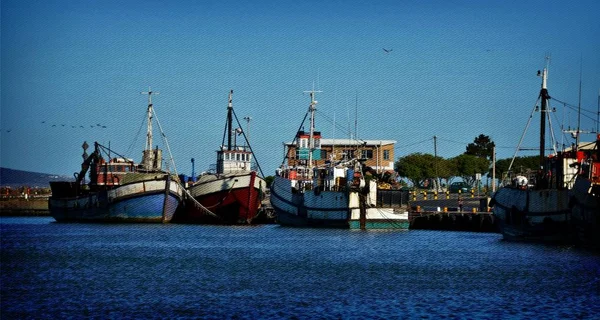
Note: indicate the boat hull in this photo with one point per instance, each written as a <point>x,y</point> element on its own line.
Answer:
<point>329,209</point>
<point>308,209</point>
<point>142,201</point>
<point>533,215</point>
<point>585,203</point>
<point>233,198</point>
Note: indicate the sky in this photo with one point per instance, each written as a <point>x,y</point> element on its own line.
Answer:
<point>72,71</point>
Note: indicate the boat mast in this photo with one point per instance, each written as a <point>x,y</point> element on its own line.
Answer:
<point>229,120</point>
<point>311,141</point>
<point>544,97</point>
<point>149,132</point>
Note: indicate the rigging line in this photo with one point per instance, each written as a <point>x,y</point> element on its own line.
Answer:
<point>295,136</point>
<point>224,134</point>
<point>522,136</point>
<point>337,125</point>
<point>585,115</point>
<point>572,106</point>
<point>457,142</point>
<point>552,137</point>
<point>412,144</point>
<point>130,149</point>
<point>248,142</point>
<point>164,138</point>
<point>563,133</point>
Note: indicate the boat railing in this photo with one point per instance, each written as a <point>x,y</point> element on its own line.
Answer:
<point>520,180</point>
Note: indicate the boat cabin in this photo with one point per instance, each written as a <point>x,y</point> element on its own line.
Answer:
<point>238,159</point>
<point>111,173</point>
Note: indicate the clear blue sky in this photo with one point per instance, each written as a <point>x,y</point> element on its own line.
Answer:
<point>457,69</point>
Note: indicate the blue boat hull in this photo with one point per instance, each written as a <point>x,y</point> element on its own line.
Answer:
<point>103,206</point>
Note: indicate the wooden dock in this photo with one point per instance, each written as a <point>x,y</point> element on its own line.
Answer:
<point>448,214</point>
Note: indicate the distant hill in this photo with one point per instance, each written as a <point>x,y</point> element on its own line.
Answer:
<point>14,178</point>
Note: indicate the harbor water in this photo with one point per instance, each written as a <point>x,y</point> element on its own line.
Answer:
<point>55,270</point>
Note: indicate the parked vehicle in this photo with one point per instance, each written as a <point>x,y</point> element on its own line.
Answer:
<point>461,186</point>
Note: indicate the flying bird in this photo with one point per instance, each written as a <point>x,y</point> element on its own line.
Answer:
<point>387,50</point>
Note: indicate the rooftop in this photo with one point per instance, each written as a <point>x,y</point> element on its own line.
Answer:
<point>353,142</point>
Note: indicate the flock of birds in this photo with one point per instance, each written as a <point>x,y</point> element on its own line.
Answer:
<point>96,126</point>
<point>80,126</point>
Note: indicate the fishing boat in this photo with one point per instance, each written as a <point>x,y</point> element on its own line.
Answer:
<point>535,206</point>
<point>585,198</point>
<point>118,189</point>
<point>336,194</point>
<point>233,193</point>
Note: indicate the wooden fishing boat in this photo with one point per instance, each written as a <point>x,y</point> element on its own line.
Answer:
<point>233,194</point>
<point>536,207</point>
<point>336,194</point>
<point>118,190</point>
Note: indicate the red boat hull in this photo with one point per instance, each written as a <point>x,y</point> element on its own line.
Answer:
<point>232,199</point>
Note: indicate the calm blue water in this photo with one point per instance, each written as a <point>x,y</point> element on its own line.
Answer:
<point>52,270</point>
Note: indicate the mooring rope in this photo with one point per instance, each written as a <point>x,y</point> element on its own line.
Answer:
<point>198,205</point>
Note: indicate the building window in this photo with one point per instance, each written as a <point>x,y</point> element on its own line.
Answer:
<point>366,154</point>
<point>323,154</point>
<point>386,154</point>
<point>303,143</point>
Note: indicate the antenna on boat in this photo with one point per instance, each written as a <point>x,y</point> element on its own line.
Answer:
<point>579,106</point>
<point>356,116</point>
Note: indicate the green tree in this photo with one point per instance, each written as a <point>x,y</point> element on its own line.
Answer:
<point>468,165</point>
<point>417,167</point>
<point>269,180</point>
<point>482,147</point>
